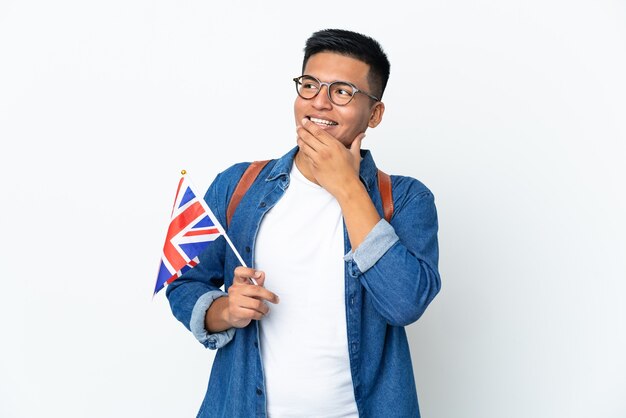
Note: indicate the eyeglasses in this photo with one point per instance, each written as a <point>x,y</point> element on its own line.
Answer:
<point>339,92</point>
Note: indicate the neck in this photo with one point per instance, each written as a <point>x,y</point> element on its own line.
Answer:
<point>304,166</point>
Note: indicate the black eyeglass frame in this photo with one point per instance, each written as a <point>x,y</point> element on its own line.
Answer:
<point>355,89</point>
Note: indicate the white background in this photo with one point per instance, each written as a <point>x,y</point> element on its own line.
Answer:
<point>512,112</point>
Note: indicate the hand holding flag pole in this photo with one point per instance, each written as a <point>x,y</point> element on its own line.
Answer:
<point>193,227</point>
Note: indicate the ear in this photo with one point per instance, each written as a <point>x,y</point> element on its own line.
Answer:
<point>377,115</point>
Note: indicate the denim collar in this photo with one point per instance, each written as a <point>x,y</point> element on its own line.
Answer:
<point>368,171</point>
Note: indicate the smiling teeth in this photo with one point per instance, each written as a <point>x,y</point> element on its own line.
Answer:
<point>323,121</point>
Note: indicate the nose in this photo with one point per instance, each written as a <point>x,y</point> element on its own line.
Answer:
<point>322,101</point>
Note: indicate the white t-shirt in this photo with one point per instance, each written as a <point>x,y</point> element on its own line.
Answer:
<point>304,343</point>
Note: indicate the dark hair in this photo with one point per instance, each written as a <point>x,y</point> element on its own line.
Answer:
<point>354,45</point>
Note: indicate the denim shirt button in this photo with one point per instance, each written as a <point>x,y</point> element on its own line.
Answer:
<point>263,204</point>
<point>259,391</point>
<point>247,249</point>
<point>353,269</point>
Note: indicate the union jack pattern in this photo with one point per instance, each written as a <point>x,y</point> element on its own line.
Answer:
<point>192,228</point>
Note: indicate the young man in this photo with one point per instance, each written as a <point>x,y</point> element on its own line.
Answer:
<point>322,334</point>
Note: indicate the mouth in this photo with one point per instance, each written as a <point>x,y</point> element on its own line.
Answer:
<point>324,123</point>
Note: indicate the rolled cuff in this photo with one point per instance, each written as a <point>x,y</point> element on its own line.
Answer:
<point>210,340</point>
<point>374,246</point>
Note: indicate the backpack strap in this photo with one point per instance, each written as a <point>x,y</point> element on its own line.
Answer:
<point>254,169</point>
<point>384,186</point>
<point>244,184</point>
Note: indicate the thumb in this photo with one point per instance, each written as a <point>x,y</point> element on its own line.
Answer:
<point>243,274</point>
<point>260,278</point>
<point>355,147</point>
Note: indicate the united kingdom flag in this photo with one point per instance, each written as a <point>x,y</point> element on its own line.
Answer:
<point>192,228</point>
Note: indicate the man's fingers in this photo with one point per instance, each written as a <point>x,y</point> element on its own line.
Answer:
<point>243,274</point>
<point>242,287</point>
<point>245,315</point>
<point>247,302</point>
<point>241,317</point>
<point>254,305</point>
<point>314,135</point>
<point>307,149</point>
<point>261,279</point>
<point>314,130</point>
<point>311,127</point>
<point>309,139</point>
<point>355,147</point>
<point>244,271</point>
<point>259,293</point>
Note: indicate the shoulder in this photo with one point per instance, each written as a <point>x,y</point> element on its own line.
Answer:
<point>225,183</point>
<point>408,191</point>
<point>232,174</point>
<point>401,185</point>
<point>408,185</point>
<point>229,178</point>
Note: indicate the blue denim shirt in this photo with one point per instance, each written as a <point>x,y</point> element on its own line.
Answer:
<point>389,281</point>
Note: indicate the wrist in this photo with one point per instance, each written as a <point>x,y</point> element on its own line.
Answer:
<point>351,190</point>
<point>224,313</point>
<point>217,317</point>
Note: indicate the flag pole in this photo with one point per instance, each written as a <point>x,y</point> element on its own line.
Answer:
<point>218,225</point>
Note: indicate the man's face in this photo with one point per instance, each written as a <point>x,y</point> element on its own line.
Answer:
<point>342,122</point>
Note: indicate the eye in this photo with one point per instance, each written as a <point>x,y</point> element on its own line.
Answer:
<point>342,90</point>
<point>309,85</point>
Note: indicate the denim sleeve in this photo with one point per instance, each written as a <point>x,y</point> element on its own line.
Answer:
<point>376,243</point>
<point>397,263</point>
<point>196,324</point>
